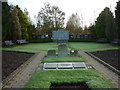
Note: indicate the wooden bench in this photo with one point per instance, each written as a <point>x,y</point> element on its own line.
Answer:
<point>8,43</point>
<point>22,41</point>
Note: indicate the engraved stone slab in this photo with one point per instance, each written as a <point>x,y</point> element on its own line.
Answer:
<point>62,51</point>
<point>65,65</point>
<point>79,65</point>
<point>60,36</point>
<point>51,53</point>
<point>50,65</point>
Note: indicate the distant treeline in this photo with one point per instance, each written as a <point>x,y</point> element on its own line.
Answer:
<point>106,26</point>
<point>16,24</point>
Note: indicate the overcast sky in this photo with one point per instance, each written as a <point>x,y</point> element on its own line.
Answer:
<point>88,9</point>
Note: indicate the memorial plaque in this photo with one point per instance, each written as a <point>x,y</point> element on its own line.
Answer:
<point>79,65</point>
<point>65,65</point>
<point>62,51</point>
<point>51,53</point>
<point>60,36</point>
<point>50,66</point>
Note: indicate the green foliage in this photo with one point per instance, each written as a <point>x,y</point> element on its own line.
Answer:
<point>110,28</point>
<point>6,21</point>
<point>31,29</point>
<point>23,22</point>
<point>100,26</point>
<point>50,18</point>
<point>92,30</point>
<point>105,25</point>
<point>43,40</point>
<point>43,79</point>
<point>117,14</point>
<point>15,25</point>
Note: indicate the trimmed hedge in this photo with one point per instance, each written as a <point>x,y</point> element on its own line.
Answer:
<point>82,40</point>
<point>44,40</point>
<point>70,40</point>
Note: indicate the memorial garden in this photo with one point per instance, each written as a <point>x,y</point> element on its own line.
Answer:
<point>51,56</point>
<point>75,72</point>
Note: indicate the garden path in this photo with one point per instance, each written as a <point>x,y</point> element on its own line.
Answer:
<point>107,73</point>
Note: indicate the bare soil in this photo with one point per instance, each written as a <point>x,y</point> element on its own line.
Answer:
<point>72,86</point>
<point>111,57</point>
<point>12,60</point>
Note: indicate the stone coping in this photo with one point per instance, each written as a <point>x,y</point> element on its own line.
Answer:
<point>64,65</point>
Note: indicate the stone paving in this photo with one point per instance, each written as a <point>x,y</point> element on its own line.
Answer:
<point>64,65</point>
<point>107,73</point>
<point>24,75</point>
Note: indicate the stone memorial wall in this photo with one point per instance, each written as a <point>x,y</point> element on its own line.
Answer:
<point>60,36</point>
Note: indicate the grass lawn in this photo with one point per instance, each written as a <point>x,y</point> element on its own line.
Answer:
<point>37,47</point>
<point>91,46</point>
<point>66,59</point>
<point>43,79</point>
<point>32,47</point>
<point>40,46</point>
<point>20,50</point>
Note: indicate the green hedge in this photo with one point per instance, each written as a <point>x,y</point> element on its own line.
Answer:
<point>81,40</point>
<point>40,40</point>
<point>70,40</point>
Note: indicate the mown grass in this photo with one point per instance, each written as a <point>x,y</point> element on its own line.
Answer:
<point>40,46</point>
<point>66,59</point>
<point>31,47</point>
<point>43,79</point>
<point>92,46</point>
<point>84,46</point>
<point>20,50</point>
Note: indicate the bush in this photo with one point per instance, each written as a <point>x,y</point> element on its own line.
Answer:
<point>81,40</point>
<point>44,40</point>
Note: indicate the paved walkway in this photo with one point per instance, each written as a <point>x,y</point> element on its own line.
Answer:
<point>19,80</point>
<point>107,73</point>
